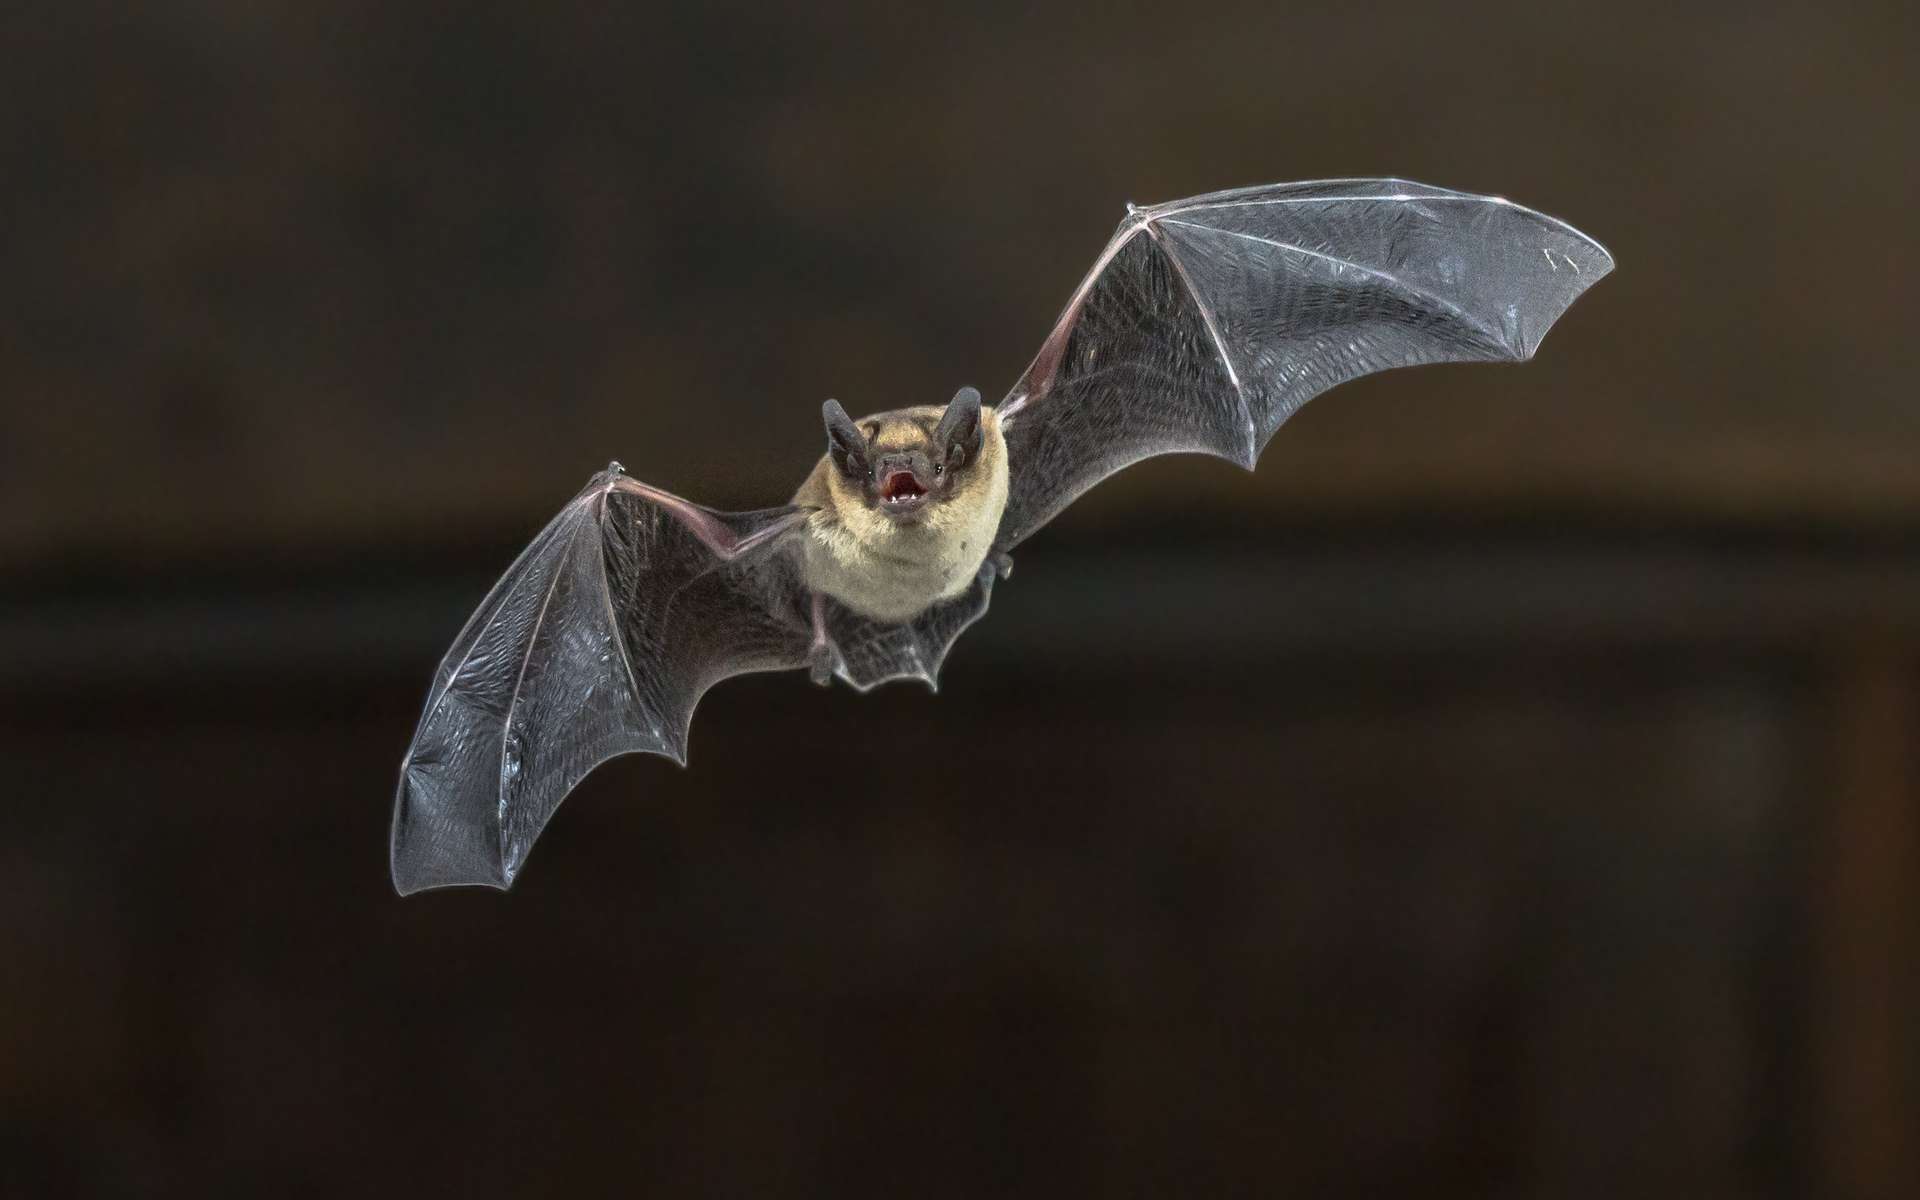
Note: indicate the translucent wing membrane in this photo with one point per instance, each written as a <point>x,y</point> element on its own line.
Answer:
<point>1207,322</point>
<point>600,641</point>
<point>873,653</point>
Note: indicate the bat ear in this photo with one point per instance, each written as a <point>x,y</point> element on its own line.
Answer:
<point>845,443</point>
<point>959,433</point>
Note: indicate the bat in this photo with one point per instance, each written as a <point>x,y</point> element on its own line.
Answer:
<point>1204,324</point>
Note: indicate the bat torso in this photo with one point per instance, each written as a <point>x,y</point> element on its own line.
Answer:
<point>893,571</point>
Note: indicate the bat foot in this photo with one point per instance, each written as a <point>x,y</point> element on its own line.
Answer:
<point>1002,563</point>
<point>820,664</point>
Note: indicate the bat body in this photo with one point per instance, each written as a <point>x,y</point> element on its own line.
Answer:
<point>893,559</point>
<point>1203,325</point>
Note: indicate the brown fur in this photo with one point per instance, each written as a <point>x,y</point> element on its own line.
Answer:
<point>892,571</point>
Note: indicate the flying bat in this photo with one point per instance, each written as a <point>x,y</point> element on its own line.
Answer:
<point>1204,324</point>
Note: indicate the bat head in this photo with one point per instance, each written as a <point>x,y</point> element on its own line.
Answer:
<point>905,463</point>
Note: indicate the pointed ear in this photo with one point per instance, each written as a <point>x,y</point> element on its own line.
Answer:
<point>845,443</point>
<point>959,434</point>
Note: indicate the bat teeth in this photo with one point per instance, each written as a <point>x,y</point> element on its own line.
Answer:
<point>901,486</point>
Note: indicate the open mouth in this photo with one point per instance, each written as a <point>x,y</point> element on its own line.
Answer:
<point>901,491</point>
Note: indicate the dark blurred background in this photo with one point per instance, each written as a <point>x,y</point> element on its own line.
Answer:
<point>1512,789</point>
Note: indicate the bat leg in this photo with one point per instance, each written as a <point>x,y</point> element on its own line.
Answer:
<point>1002,563</point>
<point>821,656</point>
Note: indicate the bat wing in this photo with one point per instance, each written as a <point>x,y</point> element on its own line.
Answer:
<point>1207,322</point>
<point>598,641</point>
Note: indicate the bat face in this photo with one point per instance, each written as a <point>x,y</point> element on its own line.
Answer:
<point>905,465</point>
<point>905,507</point>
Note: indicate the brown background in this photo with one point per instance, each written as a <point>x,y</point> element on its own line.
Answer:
<point>1513,788</point>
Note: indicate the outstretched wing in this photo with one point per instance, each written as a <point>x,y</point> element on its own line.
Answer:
<point>1207,322</point>
<point>598,641</point>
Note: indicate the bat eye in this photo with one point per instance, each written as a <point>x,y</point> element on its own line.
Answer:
<point>939,468</point>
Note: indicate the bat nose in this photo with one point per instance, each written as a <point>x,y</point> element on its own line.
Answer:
<point>909,461</point>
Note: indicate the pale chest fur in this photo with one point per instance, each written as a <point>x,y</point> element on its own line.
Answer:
<point>893,572</point>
